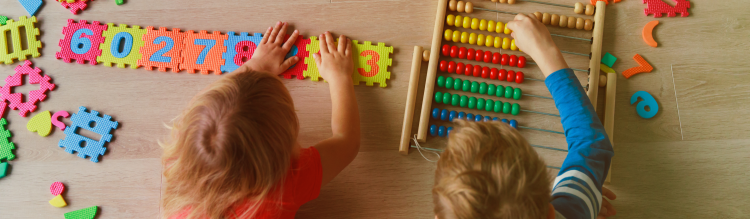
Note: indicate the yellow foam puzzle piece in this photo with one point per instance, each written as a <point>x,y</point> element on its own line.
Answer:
<point>41,124</point>
<point>607,69</point>
<point>58,201</point>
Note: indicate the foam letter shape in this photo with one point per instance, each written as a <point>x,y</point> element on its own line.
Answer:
<point>643,67</point>
<point>56,119</point>
<point>86,213</point>
<point>649,101</point>
<point>41,124</point>
<point>58,201</point>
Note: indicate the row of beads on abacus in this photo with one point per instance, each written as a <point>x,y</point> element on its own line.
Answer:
<point>480,39</point>
<point>485,56</point>
<point>484,72</point>
<point>482,88</point>
<point>480,103</point>
<point>468,7</point>
<point>443,131</point>
<point>474,23</point>
<point>564,21</point>
<point>446,115</point>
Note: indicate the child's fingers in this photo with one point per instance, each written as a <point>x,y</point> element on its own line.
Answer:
<point>289,62</point>
<point>348,48</point>
<point>342,45</point>
<point>266,35</point>
<point>282,34</point>
<point>323,44</point>
<point>520,16</point>
<point>317,59</point>
<point>291,41</point>
<point>330,42</point>
<point>608,193</point>
<point>272,36</point>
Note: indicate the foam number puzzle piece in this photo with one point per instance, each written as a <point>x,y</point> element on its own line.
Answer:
<point>371,63</point>
<point>648,100</point>
<point>56,119</point>
<point>75,7</point>
<point>56,188</point>
<point>240,48</point>
<point>58,201</point>
<point>3,169</point>
<point>34,97</point>
<point>643,67</point>
<point>312,68</point>
<point>81,42</point>
<point>31,6</point>
<point>6,146</point>
<point>657,7</point>
<point>74,142</point>
<point>161,49</point>
<point>609,60</point>
<point>3,19</point>
<point>203,52</point>
<point>593,2</point>
<point>86,213</point>
<point>131,41</point>
<point>648,33</point>
<point>299,50</point>
<point>13,29</point>
<point>41,124</point>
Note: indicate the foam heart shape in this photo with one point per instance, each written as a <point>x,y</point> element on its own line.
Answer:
<point>41,124</point>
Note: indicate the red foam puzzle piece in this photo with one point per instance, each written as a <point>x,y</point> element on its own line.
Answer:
<point>643,68</point>
<point>92,41</point>
<point>34,97</point>
<point>56,188</point>
<point>657,7</point>
<point>74,7</point>
<point>298,69</point>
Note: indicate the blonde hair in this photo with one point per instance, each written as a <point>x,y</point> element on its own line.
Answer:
<point>230,147</point>
<point>489,171</point>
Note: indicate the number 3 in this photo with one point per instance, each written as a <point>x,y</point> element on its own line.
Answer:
<point>649,101</point>
<point>373,63</point>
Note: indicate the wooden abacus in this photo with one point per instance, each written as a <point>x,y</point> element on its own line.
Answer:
<point>440,32</point>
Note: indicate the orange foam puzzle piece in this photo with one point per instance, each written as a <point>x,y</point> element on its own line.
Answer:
<point>162,49</point>
<point>593,2</point>
<point>202,52</point>
<point>644,67</point>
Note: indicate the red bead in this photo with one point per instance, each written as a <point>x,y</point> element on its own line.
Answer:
<point>513,60</point>
<point>504,59</point>
<point>487,56</point>
<point>478,71</point>
<point>470,54</point>
<point>519,77</point>
<point>443,66</point>
<point>462,53</point>
<point>495,58</point>
<point>521,61</point>
<point>479,55</point>
<point>493,74</point>
<point>451,66</point>
<point>446,50</point>
<point>460,68</point>
<point>485,72</point>
<point>502,75</point>
<point>469,69</point>
<point>511,76</point>
<point>454,51</point>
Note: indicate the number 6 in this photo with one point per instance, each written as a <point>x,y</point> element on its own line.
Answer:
<point>648,101</point>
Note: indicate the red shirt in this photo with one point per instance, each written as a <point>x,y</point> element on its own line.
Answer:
<point>301,185</point>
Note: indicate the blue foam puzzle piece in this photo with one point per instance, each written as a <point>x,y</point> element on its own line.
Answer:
<point>31,6</point>
<point>90,121</point>
<point>649,101</point>
<point>609,60</point>
<point>231,43</point>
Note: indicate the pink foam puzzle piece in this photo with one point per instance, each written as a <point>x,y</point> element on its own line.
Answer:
<point>90,37</point>
<point>56,188</point>
<point>56,119</point>
<point>74,7</point>
<point>35,96</point>
<point>657,7</point>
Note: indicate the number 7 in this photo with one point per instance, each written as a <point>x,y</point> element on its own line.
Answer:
<point>208,45</point>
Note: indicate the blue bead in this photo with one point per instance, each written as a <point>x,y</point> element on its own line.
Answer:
<point>495,119</point>
<point>505,121</point>
<point>452,116</point>
<point>441,131</point>
<point>478,118</point>
<point>514,124</point>
<point>435,113</point>
<point>433,130</point>
<point>461,115</point>
<point>449,130</point>
<point>444,115</point>
<point>470,117</point>
<point>487,118</point>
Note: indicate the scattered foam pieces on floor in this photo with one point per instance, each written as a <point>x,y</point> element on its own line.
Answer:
<point>56,188</point>
<point>648,33</point>
<point>6,146</point>
<point>58,201</point>
<point>103,125</point>
<point>41,124</point>
<point>14,28</point>
<point>3,169</point>
<point>644,67</point>
<point>606,68</point>
<point>86,213</point>
<point>75,7</point>
<point>3,19</point>
<point>609,60</point>
<point>31,6</point>
<point>16,99</point>
<point>56,119</point>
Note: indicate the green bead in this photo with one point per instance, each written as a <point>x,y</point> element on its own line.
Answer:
<point>516,109</point>
<point>480,103</point>
<point>517,94</point>
<point>488,106</point>
<point>457,84</point>
<point>506,108</point>
<point>483,88</point>
<point>466,86</point>
<point>508,92</point>
<point>438,96</point>
<point>464,101</point>
<point>498,106</point>
<point>472,102</point>
<point>491,89</point>
<point>449,82</point>
<point>499,91</point>
<point>474,87</point>
<point>446,98</point>
<point>455,99</point>
<point>440,81</point>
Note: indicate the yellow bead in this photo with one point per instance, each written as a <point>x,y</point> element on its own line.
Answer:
<point>488,41</point>
<point>448,34</point>
<point>506,30</point>
<point>480,40</point>
<point>506,43</point>
<point>474,24</point>
<point>456,36</point>
<point>449,20</point>
<point>473,38</point>
<point>458,20</point>
<point>513,45</point>
<point>499,27</point>
<point>491,26</point>
<point>464,37</point>
<point>467,22</point>
<point>483,24</point>
<point>498,42</point>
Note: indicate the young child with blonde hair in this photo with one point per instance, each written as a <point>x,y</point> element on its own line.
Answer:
<point>233,153</point>
<point>490,171</point>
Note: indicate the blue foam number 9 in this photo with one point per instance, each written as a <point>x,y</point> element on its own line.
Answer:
<point>208,45</point>
<point>80,44</point>
<point>115,47</point>
<point>158,56</point>
<point>649,101</point>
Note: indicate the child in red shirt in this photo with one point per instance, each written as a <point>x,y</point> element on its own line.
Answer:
<point>233,153</point>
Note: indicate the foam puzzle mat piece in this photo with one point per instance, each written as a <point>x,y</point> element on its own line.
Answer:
<point>3,169</point>
<point>56,188</point>
<point>648,101</point>
<point>609,60</point>
<point>86,213</point>
<point>312,68</point>
<point>68,1</point>
<point>58,201</point>
<point>81,42</point>
<point>203,52</point>
<point>34,97</point>
<point>373,69</point>
<point>658,7</point>
<point>75,7</point>
<point>31,6</point>
<point>643,67</point>
<point>162,48</point>
<point>298,69</point>
<point>130,54</point>
<point>14,28</point>
<point>6,146</point>
<point>3,19</point>
<point>56,119</point>
<point>239,48</point>
<point>41,124</point>
<point>75,142</point>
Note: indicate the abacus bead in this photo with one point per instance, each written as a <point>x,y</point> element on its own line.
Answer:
<point>451,66</point>
<point>499,91</point>
<point>449,20</point>
<point>452,116</point>
<point>456,36</point>
<point>588,24</point>
<point>457,84</point>
<point>503,1</point>
<point>440,81</point>
<point>426,55</point>
<point>516,109</point>
<point>470,53</point>
<point>474,87</point>
<point>459,20</point>
<point>499,27</point>
<point>472,103</point>
<point>469,70</point>
<point>483,24</point>
<point>455,100</point>
<point>538,16</point>
<point>496,58</point>
<point>508,92</point>
<point>487,119</point>
<point>513,60</point>
<point>487,56</point>
<point>483,88</point>
<point>578,8</point>
<point>469,7</point>
<point>473,38</point>
<point>463,103</point>
<point>507,30</point>
<point>502,75</point>
<point>519,77</point>
<point>504,59</point>
<point>479,55</point>
<point>446,50</point>
<point>517,93</point>
<point>554,20</point>
<point>441,131</point>
<point>500,42</point>
<point>493,74</point>
<point>478,118</point>
<point>443,66</point>
<point>480,103</point>
<point>449,130</point>
<point>495,119</point>
<point>514,123</point>
<point>460,68</point>
<point>489,105</point>
<point>513,45</point>
<point>589,10</point>
<point>466,86</point>
<point>446,98</point>
<point>522,61</point>
<point>460,6</point>
<point>545,18</point>
<point>444,114</point>
<point>438,96</point>
<point>464,37</point>
<point>563,21</point>
<point>480,40</point>
<point>467,22</point>
<point>474,23</point>
<point>461,115</point>
<point>498,106</point>
<point>511,2</point>
<point>435,113</point>
<point>462,53</point>
<point>506,107</point>
<point>452,5</point>
<point>489,41</point>
<point>511,76</point>
<point>433,130</point>
<point>477,71</point>
<point>579,23</point>
<point>571,22</point>
<point>454,51</point>
<point>505,121</point>
<point>470,117</point>
<point>449,82</point>
<point>448,35</point>
<point>486,72</point>
<point>506,43</point>
<point>491,25</point>
<point>490,89</point>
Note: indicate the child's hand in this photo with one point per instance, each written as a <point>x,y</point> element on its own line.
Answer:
<point>533,38</point>
<point>269,55</point>
<point>607,208</point>
<point>335,62</point>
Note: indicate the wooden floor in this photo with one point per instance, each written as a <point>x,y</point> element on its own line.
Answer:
<point>690,161</point>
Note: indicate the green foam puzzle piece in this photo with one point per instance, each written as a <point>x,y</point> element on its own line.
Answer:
<point>86,213</point>
<point>6,147</point>
<point>3,169</point>
<point>3,19</point>
<point>609,60</point>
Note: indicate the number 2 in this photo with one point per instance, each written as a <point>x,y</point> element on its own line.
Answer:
<point>373,63</point>
<point>158,56</point>
<point>208,45</point>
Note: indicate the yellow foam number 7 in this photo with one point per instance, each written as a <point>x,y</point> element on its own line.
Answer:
<point>648,101</point>
<point>373,63</point>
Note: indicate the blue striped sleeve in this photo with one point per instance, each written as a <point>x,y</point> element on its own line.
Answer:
<point>576,192</point>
